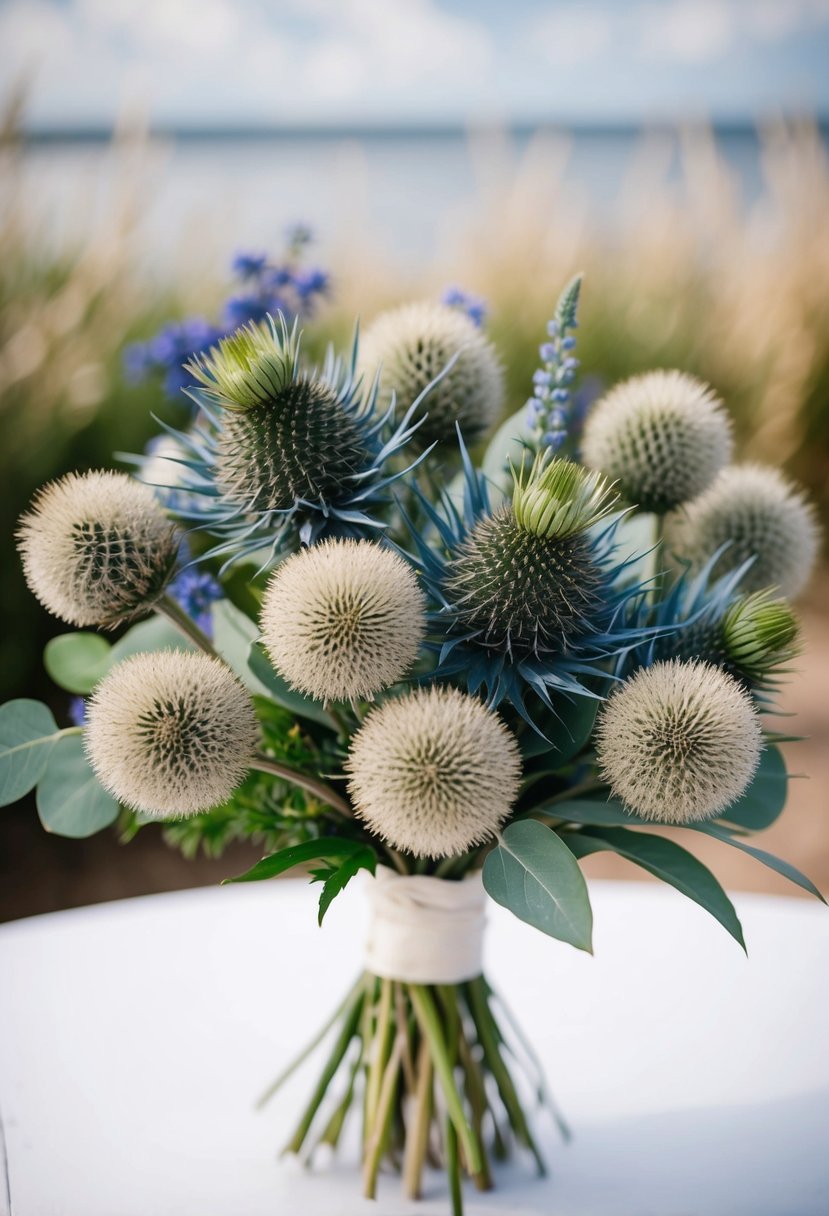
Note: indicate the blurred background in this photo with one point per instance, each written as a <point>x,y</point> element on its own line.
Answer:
<point>673,150</point>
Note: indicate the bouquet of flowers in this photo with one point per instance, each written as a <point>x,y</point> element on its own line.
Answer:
<point>461,676</point>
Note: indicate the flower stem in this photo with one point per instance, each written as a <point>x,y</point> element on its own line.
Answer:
<point>304,781</point>
<point>417,1138</point>
<point>176,615</point>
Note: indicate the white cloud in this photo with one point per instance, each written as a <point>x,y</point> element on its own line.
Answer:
<point>691,31</point>
<point>571,34</point>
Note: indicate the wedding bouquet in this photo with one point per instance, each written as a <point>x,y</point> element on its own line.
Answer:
<point>461,677</point>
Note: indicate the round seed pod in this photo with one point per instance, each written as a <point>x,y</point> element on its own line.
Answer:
<point>662,437</point>
<point>412,345</point>
<point>434,772</point>
<point>343,619</point>
<point>97,549</point>
<point>678,742</point>
<point>759,514</point>
<point>170,733</point>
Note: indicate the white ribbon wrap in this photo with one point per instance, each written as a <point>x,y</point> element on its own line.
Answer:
<point>426,930</point>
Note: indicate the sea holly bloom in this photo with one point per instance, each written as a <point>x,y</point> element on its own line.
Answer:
<point>282,454</point>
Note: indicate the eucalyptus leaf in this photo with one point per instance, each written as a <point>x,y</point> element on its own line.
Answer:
<point>765,798</point>
<point>608,813</point>
<point>665,860</point>
<point>156,633</point>
<point>532,872</point>
<point>70,799</point>
<point>233,635</point>
<point>77,661</point>
<point>279,691</point>
<point>363,859</point>
<point>332,848</point>
<point>767,859</point>
<point>27,735</point>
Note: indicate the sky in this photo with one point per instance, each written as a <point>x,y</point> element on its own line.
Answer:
<point>283,62</point>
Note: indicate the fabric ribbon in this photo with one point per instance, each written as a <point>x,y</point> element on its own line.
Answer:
<point>426,930</point>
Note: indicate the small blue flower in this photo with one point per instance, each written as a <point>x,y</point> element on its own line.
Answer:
<point>195,591</point>
<point>249,265</point>
<point>568,343</point>
<point>543,378</point>
<point>547,351</point>
<point>77,711</point>
<point>552,329</point>
<point>475,307</point>
<point>311,282</point>
<point>560,395</point>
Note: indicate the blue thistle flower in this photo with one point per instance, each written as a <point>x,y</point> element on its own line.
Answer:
<point>281,456</point>
<point>530,597</point>
<point>196,590</point>
<point>475,307</point>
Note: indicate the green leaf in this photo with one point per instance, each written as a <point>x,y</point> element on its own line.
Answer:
<point>70,800</point>
<point>565,738</point>
<point>233,634</point>
<point>507,444</point>
<point>765,798</point>
<point>156,633</point>
<point>767,859</point>
<point>77,661</point>
<point>334,847</point>
<point>588,811</point>
<point>27,735</point>
<point>666,860</point>
<point>364,859</point>
<point>532,872</point>
<point>280,692</point>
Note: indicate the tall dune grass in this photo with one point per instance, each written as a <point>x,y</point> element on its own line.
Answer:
<point>688,275</point>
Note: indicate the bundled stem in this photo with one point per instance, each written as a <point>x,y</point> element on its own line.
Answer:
<point>432,1063</point>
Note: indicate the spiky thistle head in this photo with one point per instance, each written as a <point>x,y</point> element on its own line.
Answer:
<point>343,620</point>
<point>663,437</point>
<point>250,367</point>
<point>525,578</point>
<point>434,772</point>
<point>170,733</point>
<point>413,344</point>
<point>760,635</point>
<point>678,742</point>
<point>96,548</point>
<point>758,514</point>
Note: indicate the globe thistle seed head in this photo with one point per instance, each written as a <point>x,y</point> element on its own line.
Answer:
<point>343,620</point>
<point>559,498</point>
<point>250,367</point>
<point>412,345</point>
<point>96,548</point>
<point>678,742</point>
<point>758,514</point>
<point>662,437</point>
<point>170,733</point>
<point>434,772</point>
<point>760,635</point>
<point>299,444</point>
<point>519,590</point>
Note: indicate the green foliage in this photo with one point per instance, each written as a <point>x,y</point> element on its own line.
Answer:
<point>77,661</point>
<point>667,861</point>
<point>70,800</point>
<point>532,872</point>
<point>281,693</point>
<point>568,304</point>
<point>763,801</point>
<point>333,848</point>
<point>336,878</point>
<point>27,735</point>
<point>767,859</point>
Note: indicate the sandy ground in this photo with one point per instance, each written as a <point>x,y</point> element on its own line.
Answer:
<point>39,873</point>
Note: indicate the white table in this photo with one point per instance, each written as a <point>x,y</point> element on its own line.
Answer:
<point>135,1036</point>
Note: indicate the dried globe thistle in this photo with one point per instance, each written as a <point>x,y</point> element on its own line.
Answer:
<point>170,733</point>
<point>757,513</point>
<point>526,578</point>
<point>663,437</point>
<point>412,345</point>
<point>343,619</point>
<point>760,636</point>
<point>678,742</point>
<point>434,772</point>
<point>96,548</point>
